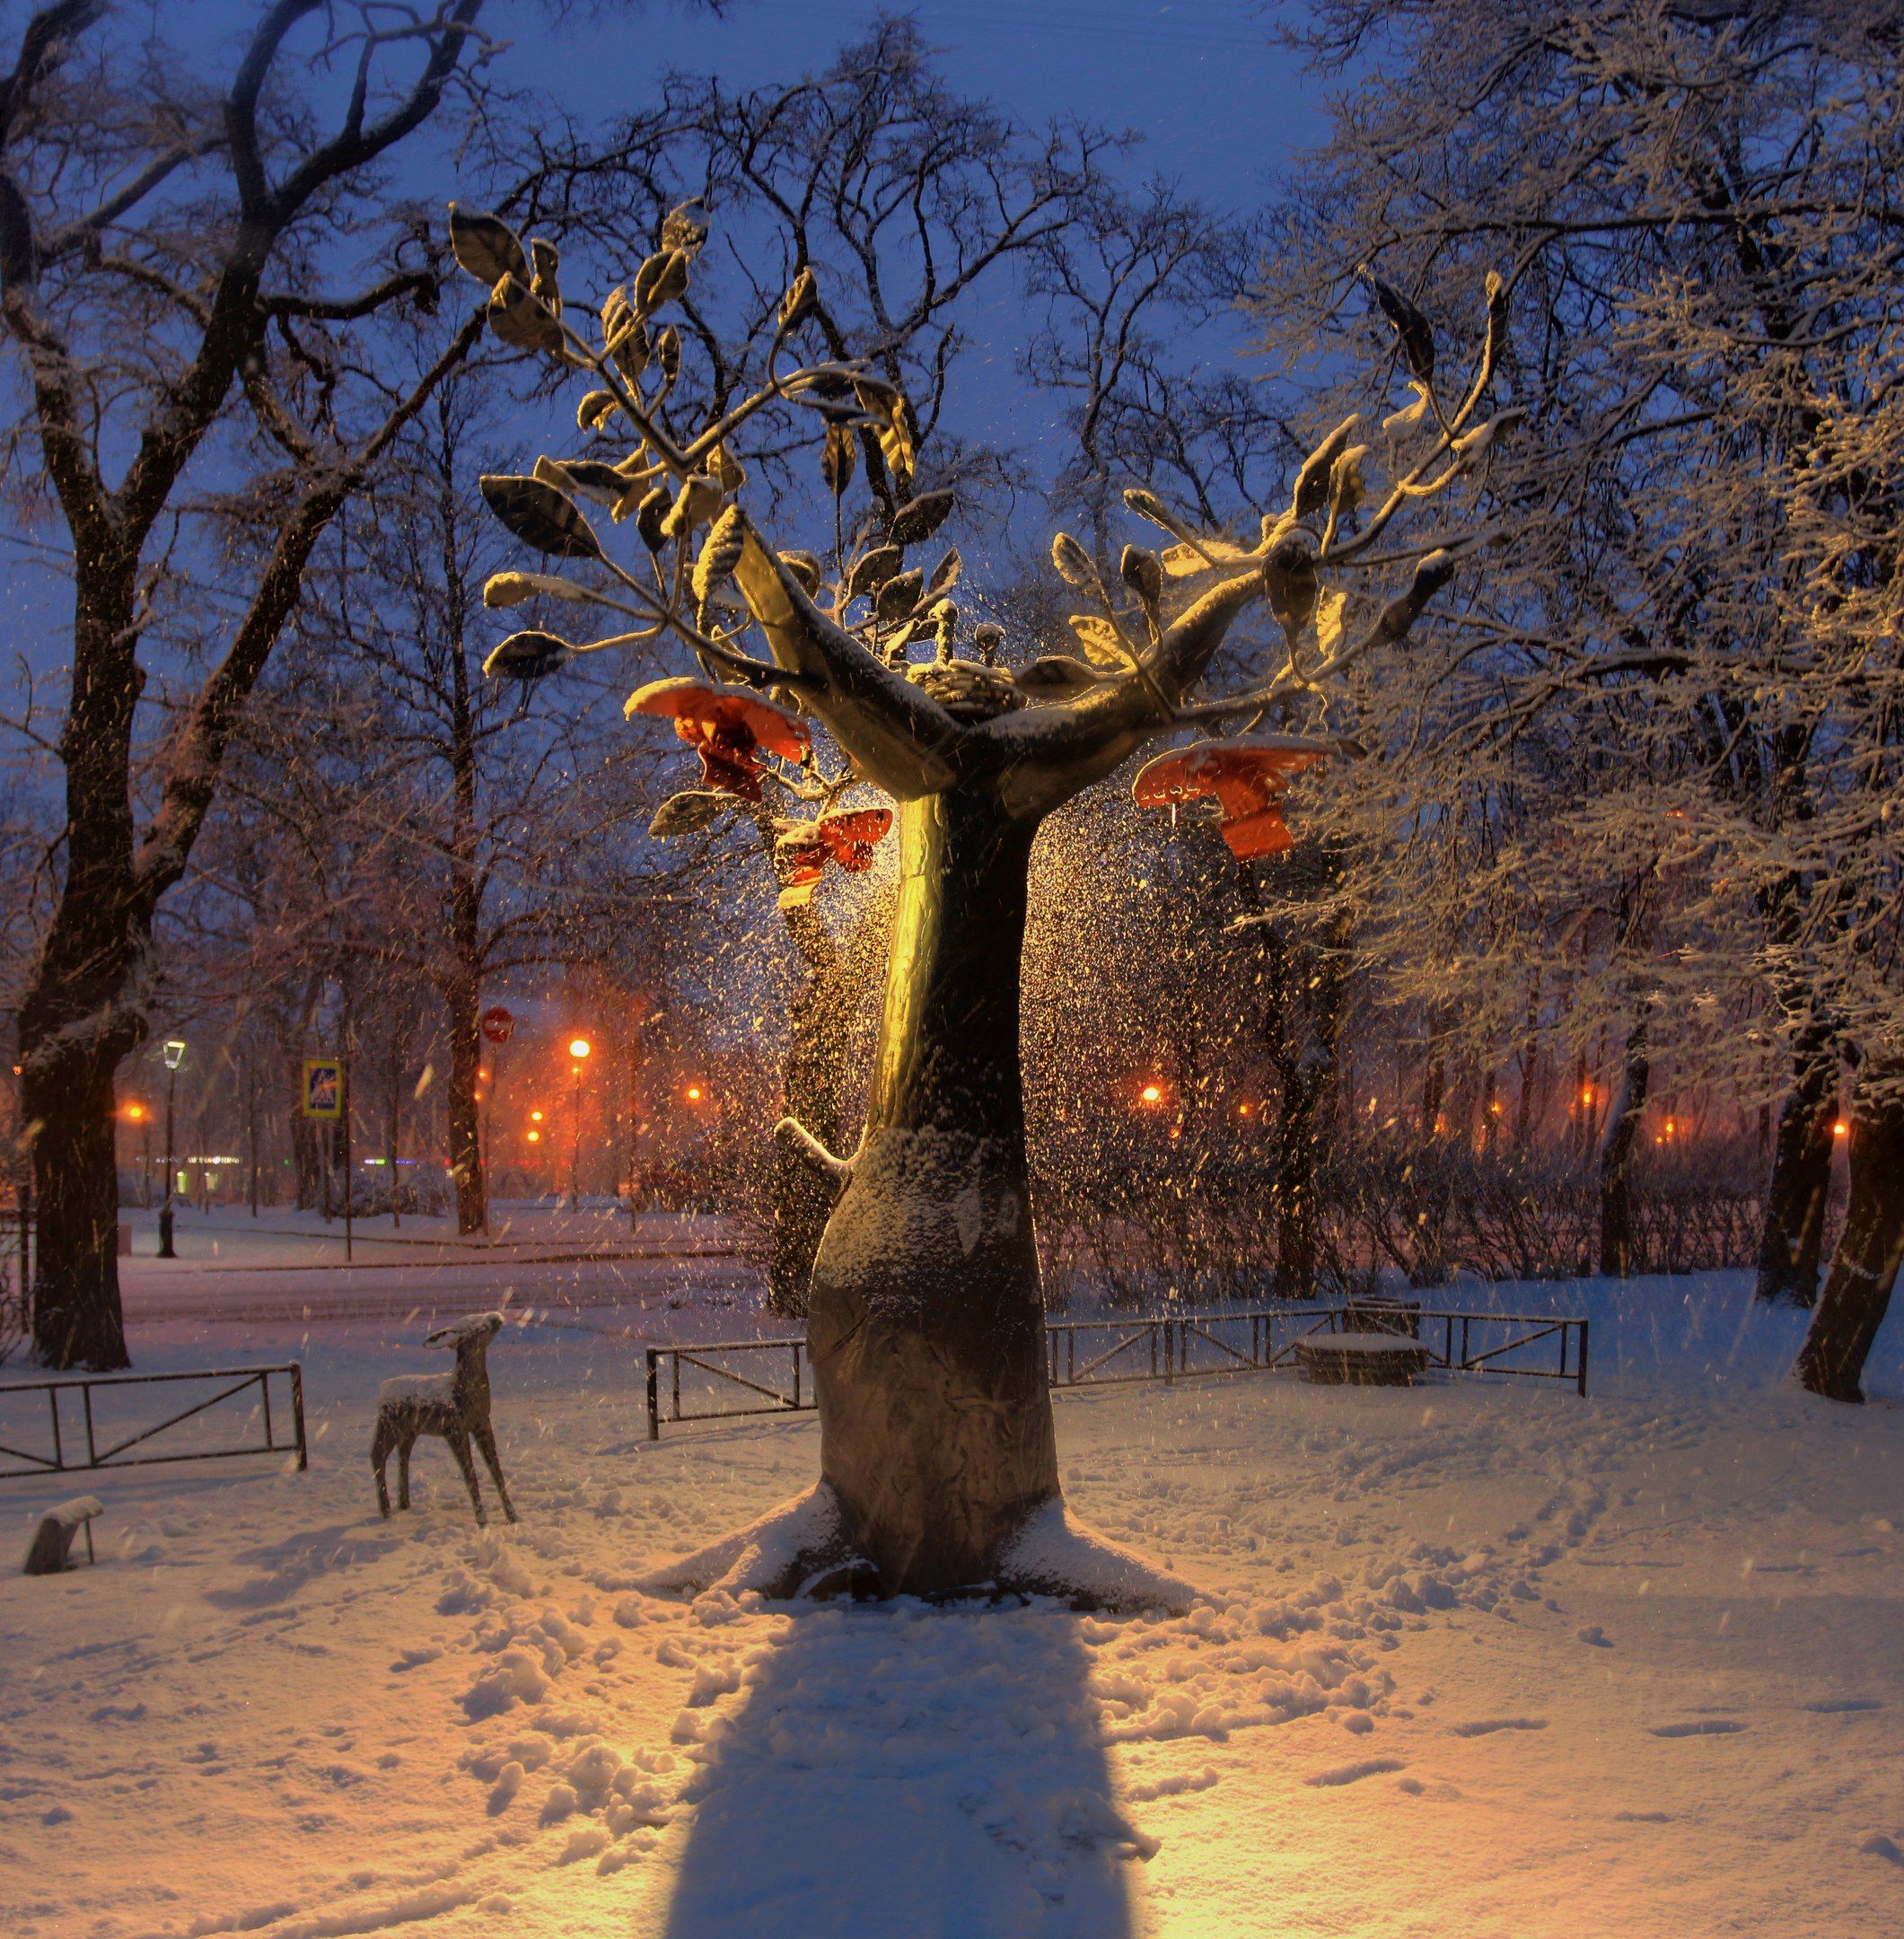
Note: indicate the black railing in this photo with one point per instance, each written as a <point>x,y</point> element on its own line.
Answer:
<point>74,1443</point>
<point>1165,1348</point>
<point>796,1398</point>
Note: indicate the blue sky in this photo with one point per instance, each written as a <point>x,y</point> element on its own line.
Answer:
<point>1220,110</point>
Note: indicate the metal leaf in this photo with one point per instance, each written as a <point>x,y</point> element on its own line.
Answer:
<point>900,594</point>
<point>486,247</point>
<point>540,516</point>
<point>919,518</point>
<point>872,570</point>
<point>511,588</point>
<point>518,318</point>
<point>1103,645</point>
<point>1290,584</point>
<point>528,656</point>
<point>687,814</point>
<point>945,573</point>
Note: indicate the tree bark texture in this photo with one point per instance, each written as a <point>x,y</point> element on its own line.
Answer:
<point>80,1012</point>
<point>1791,1242</point>
<point>925,1324</point>
<point>1618,1239</point>
<point>1865,1266</point>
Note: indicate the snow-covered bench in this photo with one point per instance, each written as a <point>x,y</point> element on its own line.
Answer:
<point>51,1549</point>
<point>1385,1359</point>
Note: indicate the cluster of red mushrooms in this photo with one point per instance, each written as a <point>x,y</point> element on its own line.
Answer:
<point>1246,777</point>
<point>735,732</point>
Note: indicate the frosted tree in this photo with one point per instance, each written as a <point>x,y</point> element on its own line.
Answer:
<point>938,1460</point>
<point>162,316</point>
<point>1667,750</point>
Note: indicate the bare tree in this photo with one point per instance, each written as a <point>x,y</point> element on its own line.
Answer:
<point>141,219</point>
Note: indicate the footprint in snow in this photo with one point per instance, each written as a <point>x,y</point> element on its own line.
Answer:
<point>1880,1847</point>
<point>1839,1705</point>
<point>1487,1726</point>
<point>1699,1727</point>
<point>1349,1774</point>
<point>1595,1635</point>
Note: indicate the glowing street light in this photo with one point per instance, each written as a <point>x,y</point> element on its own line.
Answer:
<point>695,1093</point>
<point>1840,1129</point>
<point>174,1055</point>
<point>578,1049</point>
<point>1152,1093</point>
<point>137,1113</point>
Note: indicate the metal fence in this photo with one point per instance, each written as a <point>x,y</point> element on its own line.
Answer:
<point>695,1384</point>
<point>82,1421</point>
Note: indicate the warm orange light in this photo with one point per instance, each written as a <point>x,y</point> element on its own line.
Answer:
<point>1669,1127</point>
<point>1152,1093</point>
<point>1840,1129</point>
<point>1586,1096</point>
<point>535,1116</point>
<point>535,1137</point>
<point>482,1076</point>
<point>694,1093</point>
<point>1242,1111</point>
<point>135,1112</point>
<point>578,1047</point>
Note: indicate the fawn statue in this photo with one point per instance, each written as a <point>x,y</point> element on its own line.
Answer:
<point>455,1406</point>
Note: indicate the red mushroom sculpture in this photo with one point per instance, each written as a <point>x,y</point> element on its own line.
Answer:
<point>729,731</point>
<point>845,837</point>
<point>1247,777</point>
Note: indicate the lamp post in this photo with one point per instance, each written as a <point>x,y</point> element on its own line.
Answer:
<point>578,1049</point>
<point>174,1056</point>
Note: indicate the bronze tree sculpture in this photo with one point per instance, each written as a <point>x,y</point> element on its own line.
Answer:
<point>938,1465</point>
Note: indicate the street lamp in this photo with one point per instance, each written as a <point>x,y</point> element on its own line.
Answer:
<point>174,1056</point>
<point>578,1049</point>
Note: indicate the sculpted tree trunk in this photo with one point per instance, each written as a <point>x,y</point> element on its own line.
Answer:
<point>926,1323</point>
<point>1865,1266</point>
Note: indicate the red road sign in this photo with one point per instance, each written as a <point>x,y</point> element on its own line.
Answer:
<point>498,1024</point>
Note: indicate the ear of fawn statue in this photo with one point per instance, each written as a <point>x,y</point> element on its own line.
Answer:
<point>938,1460</point>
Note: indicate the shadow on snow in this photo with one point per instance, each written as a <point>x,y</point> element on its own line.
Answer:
<point>898,1768</point>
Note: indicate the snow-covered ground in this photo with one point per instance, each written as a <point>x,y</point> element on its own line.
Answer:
<point>1474,1660</point>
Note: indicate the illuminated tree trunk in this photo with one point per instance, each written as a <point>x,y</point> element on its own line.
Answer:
<point>926,1323</point>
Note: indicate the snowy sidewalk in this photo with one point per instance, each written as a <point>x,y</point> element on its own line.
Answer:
<point>290,1266</point>
<point>1475,1661</point>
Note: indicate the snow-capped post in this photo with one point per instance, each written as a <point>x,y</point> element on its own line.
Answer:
<point>938,1459</point>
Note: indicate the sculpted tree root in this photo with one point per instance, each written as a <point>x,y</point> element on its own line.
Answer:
<point>800,1550</point>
